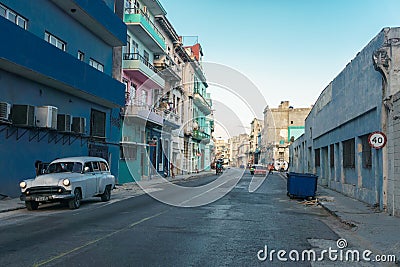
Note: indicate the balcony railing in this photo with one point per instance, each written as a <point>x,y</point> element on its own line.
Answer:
<point>137,56</point>
<point>200,135</point>
<point>135,10</point>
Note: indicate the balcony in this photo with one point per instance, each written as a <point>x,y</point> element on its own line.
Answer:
<point>201,103</point>
<point>172,120</point>
<point>98,18</point>
<point>144,113</point>
<point>143,71</point>
<point>140,24</point>
<point>168,68</point>
<point>200,135</point>
<point>46,64</point>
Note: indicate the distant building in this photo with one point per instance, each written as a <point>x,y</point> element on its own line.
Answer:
<point>281,126</point>
<point>56,69</point>
<point>254,140</point>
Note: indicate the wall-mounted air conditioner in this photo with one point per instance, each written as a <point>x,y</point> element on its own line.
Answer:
<point>46,117</point>
<point>79,125</point>
<point>23,115</point>
<point>5,109</point>
<point>64,123</point>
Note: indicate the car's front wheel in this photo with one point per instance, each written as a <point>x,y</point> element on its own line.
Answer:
<point>31,205</point>
<point>75,203</point>
<point>106,196</point>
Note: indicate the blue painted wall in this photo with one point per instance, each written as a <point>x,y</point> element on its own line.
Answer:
<point>349,107</point>
<point>34,72</point>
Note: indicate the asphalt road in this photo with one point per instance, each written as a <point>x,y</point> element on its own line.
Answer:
<point>142,231</point>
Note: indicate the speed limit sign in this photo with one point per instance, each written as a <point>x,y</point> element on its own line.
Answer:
<point>377,140</point>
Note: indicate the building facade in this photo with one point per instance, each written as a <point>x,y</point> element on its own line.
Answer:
<point>162,79</point>
<point>59,97</point>
<point>281,126</point>
<point>336,148</point>
<point>256,128</point>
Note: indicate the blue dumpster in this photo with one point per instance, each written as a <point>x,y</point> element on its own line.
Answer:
<point>301,185</point>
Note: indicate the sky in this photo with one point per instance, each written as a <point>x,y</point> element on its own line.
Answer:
<point>289,49</point>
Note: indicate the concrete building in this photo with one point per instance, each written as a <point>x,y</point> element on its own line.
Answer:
<point>165,93</point>
<point>56,77</point>
<point>281,125</point>
<point>335,145</point>
<point>243,151</point>
<point>233,144</point>
<point>198,116</point>
<point>254,141</point>
<point>222,150</point>
<point>144,151</point>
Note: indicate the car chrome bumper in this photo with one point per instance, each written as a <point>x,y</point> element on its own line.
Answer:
<point>53,197</point>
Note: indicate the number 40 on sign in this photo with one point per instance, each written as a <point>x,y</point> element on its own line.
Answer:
<point>377,140</point>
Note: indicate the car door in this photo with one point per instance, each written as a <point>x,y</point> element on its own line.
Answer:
<point>90,180</point>
<point>98,174</point>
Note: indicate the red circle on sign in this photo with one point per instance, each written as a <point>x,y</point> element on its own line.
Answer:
<point>378,135</point>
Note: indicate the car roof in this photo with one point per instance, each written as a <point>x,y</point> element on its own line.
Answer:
<point>79,159</point>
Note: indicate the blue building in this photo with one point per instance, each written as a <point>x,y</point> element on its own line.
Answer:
<point>335,143</point>
<point>58,97</point>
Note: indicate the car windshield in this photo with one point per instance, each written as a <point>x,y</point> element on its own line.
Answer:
<point>64,167</point>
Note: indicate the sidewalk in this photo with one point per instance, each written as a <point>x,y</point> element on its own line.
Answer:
<point>376,229</point>
<point>10,204</point>
<point>373,228</point>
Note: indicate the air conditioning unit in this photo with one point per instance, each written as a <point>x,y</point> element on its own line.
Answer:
<point>79,125</point>
<point>23,115</point>
<point>5,109</point>
<point>64,123</point>
<point>46,117</point>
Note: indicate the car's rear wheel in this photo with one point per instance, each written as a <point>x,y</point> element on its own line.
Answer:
<point>106,196</point>
<point>31,205</point>
<point>75,203</point>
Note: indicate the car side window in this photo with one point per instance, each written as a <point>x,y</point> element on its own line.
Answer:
<point>96,166</point>
<point>88,167</point>
<point>103,166</point>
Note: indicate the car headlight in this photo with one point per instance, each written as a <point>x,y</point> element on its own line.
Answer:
<point>66,182</point>
<point>22,184</point>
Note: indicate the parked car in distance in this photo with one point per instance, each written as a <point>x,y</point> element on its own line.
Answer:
<point>69,180</point>
<point>260,170</point>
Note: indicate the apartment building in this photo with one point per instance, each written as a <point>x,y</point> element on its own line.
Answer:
<point>59,97</point>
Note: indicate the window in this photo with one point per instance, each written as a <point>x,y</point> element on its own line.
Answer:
<point>317,157</point>
<point>81,56</point>
<point>96,166</point>
<point>366,152</point>
<point>135,47</point>
<point>104,167</point>
<point>332,155</point>
<point>146,56</point>
<point>128,152</point>
<point>98,124</point>
<point>13,16</point>
<point>55,41</point>
<point>97,65</point>
<point>88,167</point>
<point>349,153</point>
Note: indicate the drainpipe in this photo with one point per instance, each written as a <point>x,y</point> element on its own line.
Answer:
<point>381,62</point>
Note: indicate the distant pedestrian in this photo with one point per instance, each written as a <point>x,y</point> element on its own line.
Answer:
<point>172,170</point>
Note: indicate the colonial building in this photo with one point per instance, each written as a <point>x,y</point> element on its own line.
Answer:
<point>58,96</point>
<point>281,126</point>
<point>362,99</point>
<point>254,141</point>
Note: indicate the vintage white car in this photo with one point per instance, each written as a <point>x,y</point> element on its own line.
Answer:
<point>69,180</point>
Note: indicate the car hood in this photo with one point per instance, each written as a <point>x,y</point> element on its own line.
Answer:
<point>53,178</point>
